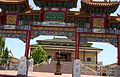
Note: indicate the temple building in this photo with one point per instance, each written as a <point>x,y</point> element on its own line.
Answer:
<point>108,70</point>
<point>92,23</point>
<point>66,47</point>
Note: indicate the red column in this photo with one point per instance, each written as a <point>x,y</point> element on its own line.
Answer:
<point>27,44</point>
<point>96,60</point>
<point>77,45</point>
<point>118,50</point>
<point>84,56</point>
<point>91,22</point>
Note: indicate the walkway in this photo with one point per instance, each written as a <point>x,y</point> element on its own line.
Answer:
<point>40,74</point>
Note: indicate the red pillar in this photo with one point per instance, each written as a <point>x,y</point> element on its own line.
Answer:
<point>118,50</point>
<point>96,60</point>
<point>84,56</point>
<point>77,45</point>
<point>27,44</point>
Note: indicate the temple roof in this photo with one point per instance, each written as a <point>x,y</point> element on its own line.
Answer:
<point>13,1</point>
<point>100,4</point>
<point>82,13</point>
<point>56,3</point>
<point>114,19</point>
<point>15,5</point>
<point>62,41</point>
<point>68,48</point>
<point>99,7</point>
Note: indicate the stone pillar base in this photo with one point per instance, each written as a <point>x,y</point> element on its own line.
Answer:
<point>76,68</point>
<point>58,73</point>
<point>117,72</point>
<point>21,76</point>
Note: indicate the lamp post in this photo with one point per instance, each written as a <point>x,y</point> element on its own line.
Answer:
<point>58,65</point>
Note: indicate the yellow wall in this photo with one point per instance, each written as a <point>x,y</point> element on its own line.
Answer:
<point>91,55</point>
<point>51,52</point>
<point>88,54</point>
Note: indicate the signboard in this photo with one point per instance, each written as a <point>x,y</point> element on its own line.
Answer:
<point>76,68</point>
<point>54,16</point>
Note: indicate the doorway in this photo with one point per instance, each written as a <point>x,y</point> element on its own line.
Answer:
<point>65,56</point>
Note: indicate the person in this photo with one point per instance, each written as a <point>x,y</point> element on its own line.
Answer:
<point>49,60</point>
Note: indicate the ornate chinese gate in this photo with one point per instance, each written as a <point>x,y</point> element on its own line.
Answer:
<point>92,23</point>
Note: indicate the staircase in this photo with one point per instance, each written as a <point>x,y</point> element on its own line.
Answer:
<point>45,68</point>
<point>66,67</point>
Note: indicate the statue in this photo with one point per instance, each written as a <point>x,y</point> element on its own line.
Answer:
<point>58,65</point>
<point>76,68</point>
<point>30,68</point>
<point>22,69</point>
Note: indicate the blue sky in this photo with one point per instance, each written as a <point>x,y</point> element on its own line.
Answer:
<point>108,55</point>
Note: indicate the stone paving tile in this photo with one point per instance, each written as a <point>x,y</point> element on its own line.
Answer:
<point>39,74</point>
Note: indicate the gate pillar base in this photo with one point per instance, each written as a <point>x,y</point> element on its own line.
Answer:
<point>58,73</point>
<point>117,74</point>
<point>21,76</point>
<point>76,68</point>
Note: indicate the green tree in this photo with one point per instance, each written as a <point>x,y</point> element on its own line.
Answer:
<point>5,55</point>
<point>39,55</point>
<point>5,58</point>
<point>2,46</point>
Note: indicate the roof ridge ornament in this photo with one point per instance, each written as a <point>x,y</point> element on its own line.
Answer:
<point>118,14</point>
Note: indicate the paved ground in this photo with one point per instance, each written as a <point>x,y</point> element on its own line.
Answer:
<point>39,74</point>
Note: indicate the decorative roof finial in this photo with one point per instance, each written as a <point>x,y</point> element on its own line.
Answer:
<point>118,14</point>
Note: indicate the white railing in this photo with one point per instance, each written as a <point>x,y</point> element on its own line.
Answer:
<point>82,65</point>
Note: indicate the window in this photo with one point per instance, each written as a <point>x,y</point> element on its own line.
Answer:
<point>88,59</point>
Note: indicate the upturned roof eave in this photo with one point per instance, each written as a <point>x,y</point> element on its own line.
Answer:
<point>12,2</point>
<point>100,4</point>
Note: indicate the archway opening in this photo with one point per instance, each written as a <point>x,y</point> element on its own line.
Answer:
<point>107,59</point>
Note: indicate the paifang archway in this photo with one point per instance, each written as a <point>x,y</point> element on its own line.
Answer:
<point>92,23</point>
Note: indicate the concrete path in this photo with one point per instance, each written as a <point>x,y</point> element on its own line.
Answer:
<point>41,74</point>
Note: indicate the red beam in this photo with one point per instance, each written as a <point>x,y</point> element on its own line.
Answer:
<point>40,26</point>
<point>96,33</point>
